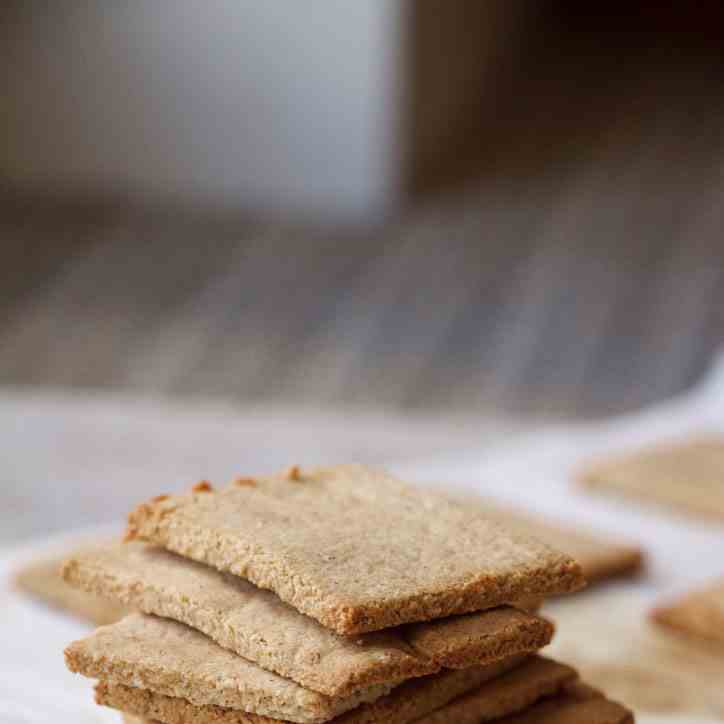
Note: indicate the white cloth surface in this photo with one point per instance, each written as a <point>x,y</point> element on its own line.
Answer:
<point>74,461</point>
<point>71,462</point>
<point>35,686</point>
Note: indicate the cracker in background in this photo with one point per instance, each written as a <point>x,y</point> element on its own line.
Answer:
<point>259,626</point>
<point>178,661</point>
<point>687,476</point>
<point>355,548</point>
<point>43,581</point>
<point>699,613</point>
<point>502,693</point>
<point>600,558</point>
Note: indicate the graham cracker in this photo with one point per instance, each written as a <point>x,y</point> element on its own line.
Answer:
<point>699,614</point>
<point>418,697</point>
<point>42,580</point>
<point>501,694</point>
<point>599,557</point>
<point>259,626</point>
<point>686,475</point>
<point>355,548</point>
<point>511,693</point>
<point>173,659</point>
<point>576,705</point>
<point>458,642</point>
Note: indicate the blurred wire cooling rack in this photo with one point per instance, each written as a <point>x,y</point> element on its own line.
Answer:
<point>521,316</point>
<point>583,274</point>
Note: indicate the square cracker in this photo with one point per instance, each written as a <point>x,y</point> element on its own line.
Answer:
<point>576,705</point>
<point>354,548</point>
<point>259,626</point>
<point>599,557</point>
<point>514,692</point>
<point>699,613</point>
<point>42,580</point>
<point>173,659</point>
<point>686,475</point>
<point>502,693</point>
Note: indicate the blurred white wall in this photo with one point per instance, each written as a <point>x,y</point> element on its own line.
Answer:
<point>277,104</point>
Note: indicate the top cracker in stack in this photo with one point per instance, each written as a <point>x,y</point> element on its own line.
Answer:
<point>355,549</point>
<point>278,614</point>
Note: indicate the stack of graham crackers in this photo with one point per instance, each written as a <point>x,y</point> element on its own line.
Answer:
<point>336,594</point>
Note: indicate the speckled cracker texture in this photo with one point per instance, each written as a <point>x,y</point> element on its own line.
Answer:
<point>172,659</point>
<point>492,692</point>
<point>355,548</point>
<point>259,626</point>
<point>578,704</point>
<point>514,692</point>
<point>601,557</point>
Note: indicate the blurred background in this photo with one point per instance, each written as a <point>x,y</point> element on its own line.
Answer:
<point>476,242</point>
<point>422,205</point>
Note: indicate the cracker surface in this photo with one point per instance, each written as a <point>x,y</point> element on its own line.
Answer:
<point>355,548</point>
